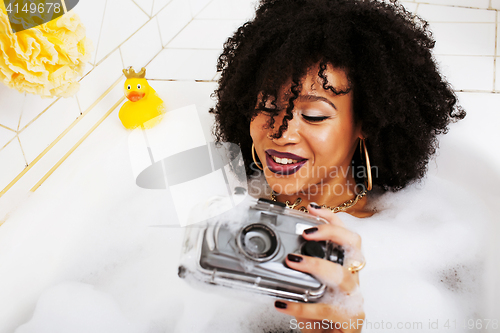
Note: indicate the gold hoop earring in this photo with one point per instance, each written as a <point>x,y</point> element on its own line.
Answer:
<point>369,180</point>
<point>253,156</point>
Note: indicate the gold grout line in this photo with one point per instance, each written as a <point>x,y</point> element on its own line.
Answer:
<point>22,112</point>
<point>85,75</point>
<point>184,80</point>
<point>8,128</point>
<point>39,115</point>
<point>78,103</point>
<point>120,45</point>
<point>63,2</point>
<point>58,164</point>
<point>496,53</point>
<point>194,49</point>
<point>141,9</point>
<point>46,150</point>
<point>465,55</point>
<point>132,35</point>
<point>456,6</point>
<point>178,33</point>
<point>129,37</point>
<point>8,142</point>
<point>208,4</point>
<point>15,180</point>
<point>100,34</point>
<point>462,22</point>
<point>29,166</point>
<point>159,31</point>
<point>162,8</point>
<point>121,56</point>
<point>22,150</point>
<point>476,91</point>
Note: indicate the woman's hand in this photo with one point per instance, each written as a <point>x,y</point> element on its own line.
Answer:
<point>320,317</point>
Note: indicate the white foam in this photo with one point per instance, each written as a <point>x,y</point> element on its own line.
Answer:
<point>93,228</point>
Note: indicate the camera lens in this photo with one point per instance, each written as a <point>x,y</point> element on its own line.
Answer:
<point>258,241</point>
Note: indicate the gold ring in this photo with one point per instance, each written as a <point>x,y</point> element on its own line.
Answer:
<point>356,266</point>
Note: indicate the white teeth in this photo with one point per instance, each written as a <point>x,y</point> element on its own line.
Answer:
<point>284,161</point>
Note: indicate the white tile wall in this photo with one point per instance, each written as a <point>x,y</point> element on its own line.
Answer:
<point>11,106</point>
<point>411,6</point>
<point>91,13</point>
<point>205,34</point>
<point>145,5</point>
<point>11,163</point>
<point>464,3</point>
<point>99,80</point>
<point>173,19</point>
<point>497,75</point>
<point>160,5</point>
<point>33,106</point>
<point>197,5</point>
<point>121,19</point>
<point>182,64</point>
<point>495,4</point>
<point>6,135</point>
<point>468,73</point>
<point>480,124</point>
<point>143,46</point>
<point>48,126</point>
<point>498,34</point>
<point>464,38</point>
<point>239,9</point>
<point>433,13</point>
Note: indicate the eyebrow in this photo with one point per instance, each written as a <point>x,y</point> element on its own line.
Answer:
<point>314,98</point>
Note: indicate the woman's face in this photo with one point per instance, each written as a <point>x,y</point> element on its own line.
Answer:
<point>317,148</point>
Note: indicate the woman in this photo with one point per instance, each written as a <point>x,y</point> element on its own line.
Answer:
<point>330,98</point>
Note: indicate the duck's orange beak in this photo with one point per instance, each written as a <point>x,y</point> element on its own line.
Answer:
<point>135,96</point>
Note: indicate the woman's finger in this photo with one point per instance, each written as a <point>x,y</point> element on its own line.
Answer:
<point>326,271</point>
<point>320,312</point>
<point>327,214</point>
<point>334,233</point>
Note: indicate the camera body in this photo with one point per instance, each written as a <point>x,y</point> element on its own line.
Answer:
<point>248,250</point>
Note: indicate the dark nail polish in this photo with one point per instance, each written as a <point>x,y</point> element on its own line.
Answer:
<point>280,305</point>
<point>311,230</point>
<point>315,205</point>
<point>294,258</point>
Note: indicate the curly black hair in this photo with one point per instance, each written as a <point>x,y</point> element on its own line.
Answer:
<point>399,96</point>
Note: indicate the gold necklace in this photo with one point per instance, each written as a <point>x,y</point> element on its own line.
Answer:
<point>340,208</point>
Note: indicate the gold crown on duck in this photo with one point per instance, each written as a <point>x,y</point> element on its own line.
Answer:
<point>131,74</point>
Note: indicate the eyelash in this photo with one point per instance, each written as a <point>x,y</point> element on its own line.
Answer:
<point>307,118</point>
<point>314,119</point>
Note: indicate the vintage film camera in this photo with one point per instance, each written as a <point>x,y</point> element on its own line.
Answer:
<point>247,251</point>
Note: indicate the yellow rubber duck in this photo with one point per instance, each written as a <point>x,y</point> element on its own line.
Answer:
<point>144,107</point>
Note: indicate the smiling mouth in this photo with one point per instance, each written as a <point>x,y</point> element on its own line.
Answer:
<point>284,163</point>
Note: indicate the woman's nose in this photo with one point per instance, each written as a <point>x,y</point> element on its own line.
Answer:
<point>291,134</point>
